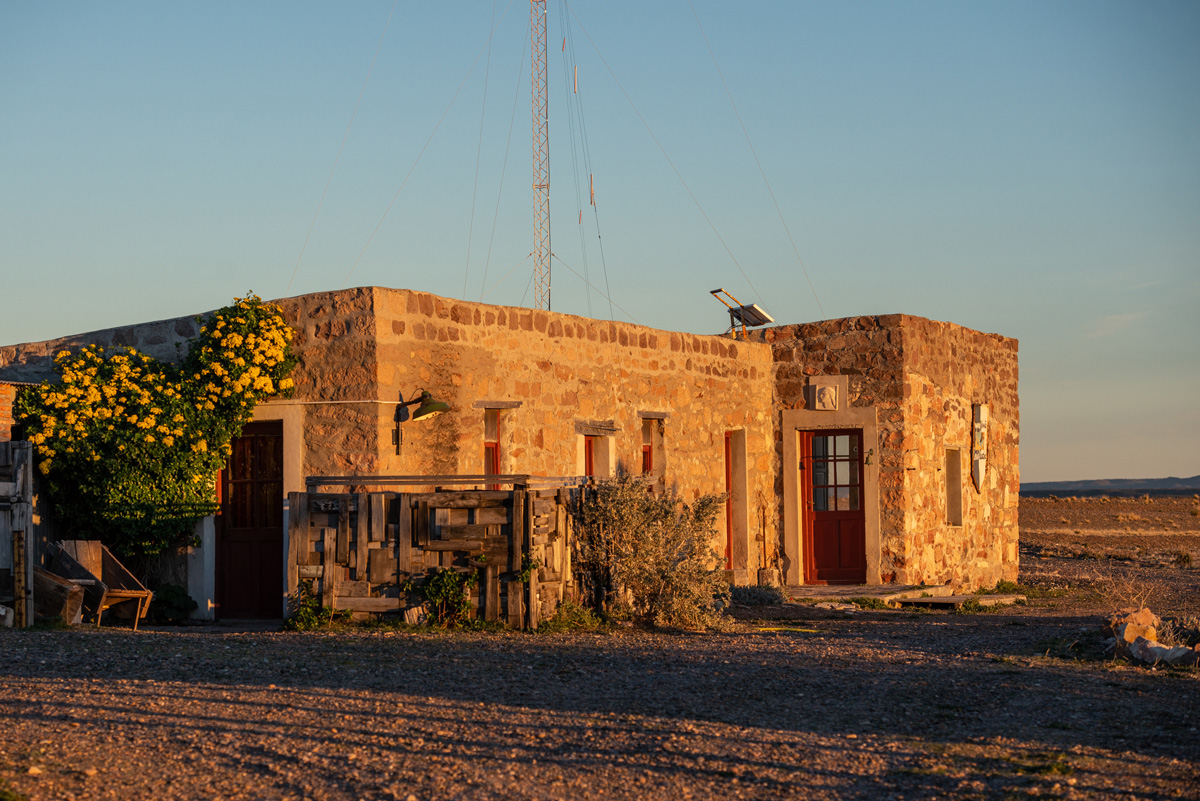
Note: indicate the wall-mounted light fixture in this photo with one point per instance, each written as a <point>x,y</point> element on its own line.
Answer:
<point>427,407</point>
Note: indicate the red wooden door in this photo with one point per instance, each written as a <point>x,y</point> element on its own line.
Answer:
<point>835,549</point>
<point>250,526</point>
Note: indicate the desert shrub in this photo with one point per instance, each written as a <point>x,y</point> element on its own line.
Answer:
<point>570,616</point>
<point>866,602</point>
<point>446,594</point>
<point>651,553</point>
<point>306,613</point>
<point>757,596</point>
<point>171,605</point>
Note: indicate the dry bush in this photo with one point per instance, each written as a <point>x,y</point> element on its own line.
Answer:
<point>651,553</point>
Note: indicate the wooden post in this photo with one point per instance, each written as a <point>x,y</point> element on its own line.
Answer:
<point>366,513</point>
<point>533,607</point>
<point>328,560</point>
<point>516,604</point>
<point>403,534</point>
<point>343,533</point>
<point>516,542</point>
<point>491,586</point>
<point>297,539</point>
<point>22,604</point>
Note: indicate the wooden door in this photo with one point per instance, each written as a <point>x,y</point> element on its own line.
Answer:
<point>728,501</point>
<point>831,483</point>
<point>250,526</point>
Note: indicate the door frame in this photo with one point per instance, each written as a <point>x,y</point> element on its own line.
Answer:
<point>792,422</point>
<point>808,510</point>
<point>220,589</point>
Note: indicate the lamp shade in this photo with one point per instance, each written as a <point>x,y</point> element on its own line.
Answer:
<point>429,407</point>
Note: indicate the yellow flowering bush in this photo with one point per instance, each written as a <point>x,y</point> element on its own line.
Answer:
<point>130,447</point>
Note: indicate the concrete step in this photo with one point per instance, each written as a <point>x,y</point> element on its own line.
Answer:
<point>957,601</point>
<point>888,593</point>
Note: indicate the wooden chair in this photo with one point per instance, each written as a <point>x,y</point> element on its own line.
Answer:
<point>106,582</point>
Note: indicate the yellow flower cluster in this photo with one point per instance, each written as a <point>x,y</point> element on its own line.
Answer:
<point>122,429</point>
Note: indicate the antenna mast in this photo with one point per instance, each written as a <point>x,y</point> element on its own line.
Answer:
<point>541,157</point>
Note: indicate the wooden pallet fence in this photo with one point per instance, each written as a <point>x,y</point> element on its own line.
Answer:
<point>359,549</point>
<point>17,553</point>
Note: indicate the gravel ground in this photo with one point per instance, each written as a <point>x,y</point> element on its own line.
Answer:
<point>878,704</point>
<point>796,703</point>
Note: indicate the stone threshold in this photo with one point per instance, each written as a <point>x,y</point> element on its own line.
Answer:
<point>888,593</point>
<point>957,601</point>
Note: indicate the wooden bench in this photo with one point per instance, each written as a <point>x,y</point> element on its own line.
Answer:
<point>105,581</point>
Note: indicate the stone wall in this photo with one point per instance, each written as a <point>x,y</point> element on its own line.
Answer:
<point>550,373</point>
<point>868,351</point>
<point>564,370</point>
<point>922,377</point>
<point>947,368</point>
<point>34,361</point>
<point>8,394</point>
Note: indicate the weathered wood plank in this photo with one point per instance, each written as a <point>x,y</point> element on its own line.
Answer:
<point>354,589</point>
<point>544,506</point>
<point>404,533</point>
<point>492,516</point>
<point>379,507</point>
<point>463,531</point>
<point>477,499</point>
<point>517,543</point>
<point>381,567</point>
<point>359,604</point>
<point>491,586</point>
<point>309,571</point>
<point>516,604</point>
<point>22,586</point>
<point>455,545</point>
<point>422,523</point>
<point>329,576</point>
<point>362,533</point>
<point>535,602</point>
<point>297,539</point>
<point>343,534</point>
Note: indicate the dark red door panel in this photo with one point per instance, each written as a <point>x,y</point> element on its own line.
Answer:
<point>834,519</point>
<point>250,526</point>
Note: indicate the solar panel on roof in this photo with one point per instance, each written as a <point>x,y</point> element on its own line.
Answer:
<point>751,314</point>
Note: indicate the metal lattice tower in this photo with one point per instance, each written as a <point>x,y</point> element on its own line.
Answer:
<point>541,157</point>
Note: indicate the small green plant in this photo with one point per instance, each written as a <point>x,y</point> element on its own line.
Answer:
<point>171,605</point>
<point>757,596</point>
<point>863,602</point>
<point>307,613</point>
<point>970,607</point>
<point>446,594</point>
<point>570,616</point>
<point>528,565</point>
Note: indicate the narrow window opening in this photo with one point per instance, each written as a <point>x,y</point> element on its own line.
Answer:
<point>589,456</point>
<point>491,444</point>
<point>648,427</point>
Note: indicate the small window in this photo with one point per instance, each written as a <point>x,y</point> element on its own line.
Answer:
<point>954,510</point>
<point>589,455</point>
<point>491,444</point>
<point>648,427</point>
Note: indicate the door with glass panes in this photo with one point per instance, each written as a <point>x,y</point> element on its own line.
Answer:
<point>831,469</point>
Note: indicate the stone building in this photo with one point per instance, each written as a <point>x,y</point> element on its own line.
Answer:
<point>845,446</point>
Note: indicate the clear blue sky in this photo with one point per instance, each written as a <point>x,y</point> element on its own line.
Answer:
<point>1026,168</point>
